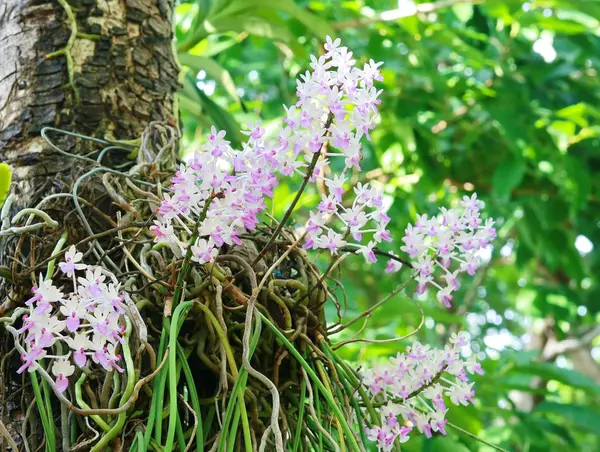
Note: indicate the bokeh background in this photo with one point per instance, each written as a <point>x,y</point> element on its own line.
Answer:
<point>497,97</point>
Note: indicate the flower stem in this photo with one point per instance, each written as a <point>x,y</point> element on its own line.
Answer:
<point>288,213</point>
<point>185,267</point>
<point>477,438</point>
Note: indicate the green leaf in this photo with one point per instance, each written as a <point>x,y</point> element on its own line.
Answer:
<point>463,11</point>
<point>207,48</point>
<point>555,24</point>
<point>447,444</point>
<point>575,113</point>
<point>578,182</point>
<point>189,104</point>
<point>204,7</point>
<point>311,21</point>
<point>221,119</point>
<point>544,425</point>
<point>5,178</point>
<point>392,158</point>
<point>219,5</point>
<point>245,23</point>
<point>507,176</point>
<point>569,377</point>
<point>582,416</point>
<point>467,417</point>
<point>213,69</point>
<point>256,26</point>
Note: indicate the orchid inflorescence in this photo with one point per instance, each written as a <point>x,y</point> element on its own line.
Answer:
<point>336,101</point>
<point>441,242</point>
<point>415,386</point>
<point>88,320</point>
<point>219,194</point>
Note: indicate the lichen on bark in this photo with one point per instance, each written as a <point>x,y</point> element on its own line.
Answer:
<point>123,75</point>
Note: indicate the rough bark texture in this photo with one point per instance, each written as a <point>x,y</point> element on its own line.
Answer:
<point>116,74</point>
<point>103,68</point>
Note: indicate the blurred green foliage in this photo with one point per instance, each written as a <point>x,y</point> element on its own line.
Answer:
<point>500,97</point>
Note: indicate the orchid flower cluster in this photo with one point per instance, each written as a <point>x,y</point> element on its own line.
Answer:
<point>345,94</point>
<point>415,387</point>
<point>217,196</point>
<point>88,320</point>
<point>452,237</point>
<point>221,191</point>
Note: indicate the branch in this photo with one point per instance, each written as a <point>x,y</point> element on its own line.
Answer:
<point>555,348</point>
<point>288,213</point>
<point>417,391</point>
<point>370,311</point>
<point>379,252</point>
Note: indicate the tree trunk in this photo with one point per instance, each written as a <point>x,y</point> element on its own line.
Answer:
<point>103,68</point>
<point>97,67</point>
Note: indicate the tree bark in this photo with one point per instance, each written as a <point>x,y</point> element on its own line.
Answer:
<point>103,68</point>
<point>97,67</point>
